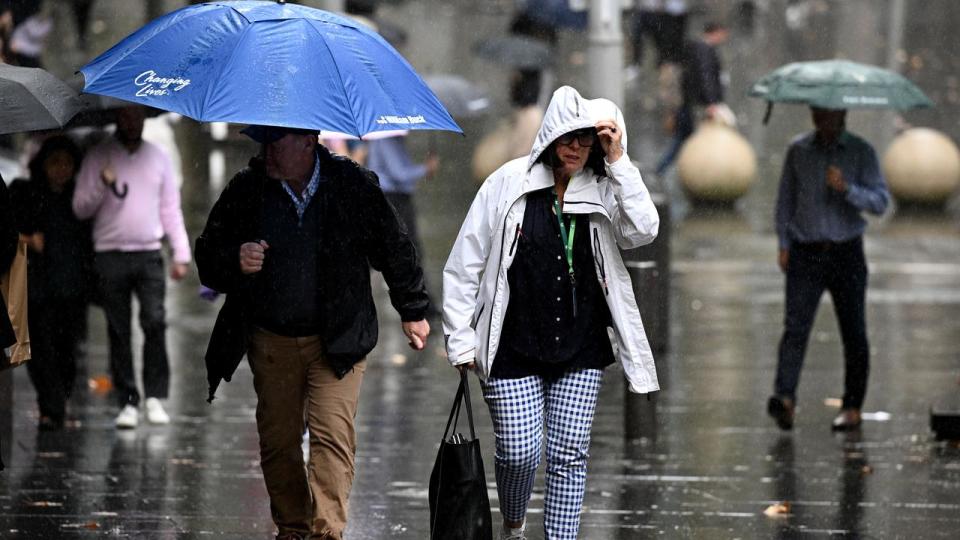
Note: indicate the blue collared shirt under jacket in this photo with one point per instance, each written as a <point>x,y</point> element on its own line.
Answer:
<point>301,203</point>
<point>808,210</point>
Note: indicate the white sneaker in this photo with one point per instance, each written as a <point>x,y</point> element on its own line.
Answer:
<point>155,412</point>
<point>128,418</point>
<point>506,533</point>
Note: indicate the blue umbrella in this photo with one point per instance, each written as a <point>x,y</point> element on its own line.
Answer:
<point>268,63</point>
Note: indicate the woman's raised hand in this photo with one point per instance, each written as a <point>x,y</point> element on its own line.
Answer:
<point>610,136</point>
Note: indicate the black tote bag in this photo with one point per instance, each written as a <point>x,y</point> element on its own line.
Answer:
<point>459,506</point>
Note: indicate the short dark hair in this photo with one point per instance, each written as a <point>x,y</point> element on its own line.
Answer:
<point>594,160</point>
<point>57,143</point>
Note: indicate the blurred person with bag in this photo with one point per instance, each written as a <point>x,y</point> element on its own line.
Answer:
<point>399,176</point>
<point>9,244</point>
<point>60,272</point>
<point>702,90</point>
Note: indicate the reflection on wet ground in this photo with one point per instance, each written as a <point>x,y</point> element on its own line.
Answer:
<point>706,461</point>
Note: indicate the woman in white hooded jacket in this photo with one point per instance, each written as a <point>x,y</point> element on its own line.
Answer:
<point>537,300</point>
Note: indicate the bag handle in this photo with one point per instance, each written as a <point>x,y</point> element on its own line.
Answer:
<point>463,396</point>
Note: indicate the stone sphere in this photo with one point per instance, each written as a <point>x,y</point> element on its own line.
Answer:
<point>922,166</point>
<point>716,164</point>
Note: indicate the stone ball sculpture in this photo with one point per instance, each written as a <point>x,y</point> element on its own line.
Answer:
<point>716,165</point>
<point>922,166</point>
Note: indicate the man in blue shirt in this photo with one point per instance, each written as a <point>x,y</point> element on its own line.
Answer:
<point>829,177</point>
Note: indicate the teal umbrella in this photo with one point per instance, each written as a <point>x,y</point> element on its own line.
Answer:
<point>839,84</point>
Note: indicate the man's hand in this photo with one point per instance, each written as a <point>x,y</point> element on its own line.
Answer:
<point>108,176</point>
<point>782,258</point>
<point>468,366</point>
<point>252,255</point>
<point>417,332</point>
<point>610,136</point>
<point>34,241</point>
<point>835,179</point>
<point>179,271</point>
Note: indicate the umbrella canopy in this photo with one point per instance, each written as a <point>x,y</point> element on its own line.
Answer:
<point>268,63</point>
<point>98,110</point>
<point>839,84</point>
<point>516,51</point>
<point>462,98</point>
<point>32,99</point>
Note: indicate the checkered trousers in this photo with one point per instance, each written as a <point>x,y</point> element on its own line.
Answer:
<point>523,411</point>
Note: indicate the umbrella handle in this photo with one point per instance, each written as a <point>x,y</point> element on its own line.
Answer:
<point>120,193</point>
<point>766,116</point>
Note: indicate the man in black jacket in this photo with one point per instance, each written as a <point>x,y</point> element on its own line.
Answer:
<point>291,242</point>
<point>701,87</point>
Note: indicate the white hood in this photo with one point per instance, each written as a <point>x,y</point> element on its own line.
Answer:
<point>569,111</point>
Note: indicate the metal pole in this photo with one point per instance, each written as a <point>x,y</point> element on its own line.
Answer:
<point>894,44</point>
<point>605,50</point>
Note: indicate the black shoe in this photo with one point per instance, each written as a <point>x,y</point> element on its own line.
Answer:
<point>781,410</point>
<point>847,420</point>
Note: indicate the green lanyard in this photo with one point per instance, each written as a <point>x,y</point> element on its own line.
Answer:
<point>568,247</point>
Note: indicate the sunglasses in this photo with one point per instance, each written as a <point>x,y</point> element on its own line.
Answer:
<point>586,137</point>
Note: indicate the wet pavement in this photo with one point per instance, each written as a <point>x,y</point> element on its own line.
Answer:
<point>701,460</point>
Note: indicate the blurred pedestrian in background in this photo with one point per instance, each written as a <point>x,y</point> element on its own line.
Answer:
<point>830,176</point>
<point>664,22</point>
<point>513,137</point>
<point>702,90</point>
<point>9,238</point>
<point>29,38</point>
<point>399,176</point>
<point>127,186</point>
<point>291,242</point>
<point>81,17</point>
<point>531,287</point>
<point>60,273</point>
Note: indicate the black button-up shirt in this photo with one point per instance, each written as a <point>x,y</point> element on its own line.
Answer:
<point>540,334</point>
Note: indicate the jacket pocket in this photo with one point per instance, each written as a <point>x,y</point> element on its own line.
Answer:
<point>476,316</point>
<point>516,237</point>
<point>598,259</point>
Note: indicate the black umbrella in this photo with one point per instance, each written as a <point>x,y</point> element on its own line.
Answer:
<point>515,51</point>
<point>461,98</point>
<point>32,99</point>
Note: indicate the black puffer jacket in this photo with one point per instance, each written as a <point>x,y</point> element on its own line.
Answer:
<point>359,230</point>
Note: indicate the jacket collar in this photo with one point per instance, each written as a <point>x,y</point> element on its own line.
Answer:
<point>583,192</point>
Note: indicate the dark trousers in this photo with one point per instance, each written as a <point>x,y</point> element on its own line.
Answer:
<point>840,269</point>
<point>56,327</point>
<point>122,275</point>
<point>683,127</point>
<point>666,30</point>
